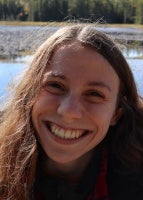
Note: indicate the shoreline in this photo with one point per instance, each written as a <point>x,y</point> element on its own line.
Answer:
<point>63,23</point>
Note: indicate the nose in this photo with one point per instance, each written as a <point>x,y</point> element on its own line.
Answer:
<point>70,109</point>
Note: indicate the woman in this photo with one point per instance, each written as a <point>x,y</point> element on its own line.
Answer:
<point>73,128</point>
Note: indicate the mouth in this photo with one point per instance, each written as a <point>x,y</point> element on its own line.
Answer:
<point>66,133</point>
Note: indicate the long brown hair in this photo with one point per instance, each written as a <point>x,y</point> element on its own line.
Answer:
<point>18,145</point>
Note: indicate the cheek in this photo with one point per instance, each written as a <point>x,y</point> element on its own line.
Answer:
<point>102,114</point>
<point>44,102</point>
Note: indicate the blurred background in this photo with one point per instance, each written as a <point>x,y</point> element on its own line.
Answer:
<point>25,24</point>
<point>113,11</point>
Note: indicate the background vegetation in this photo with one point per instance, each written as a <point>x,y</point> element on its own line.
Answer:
<point>112,11</point>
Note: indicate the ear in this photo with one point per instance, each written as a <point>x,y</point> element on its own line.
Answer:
<point>118,113</point>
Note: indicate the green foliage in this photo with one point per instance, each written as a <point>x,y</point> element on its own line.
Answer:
<point>111,11</point>
<point>139,12</point>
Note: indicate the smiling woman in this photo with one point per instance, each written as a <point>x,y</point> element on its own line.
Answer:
<point>71,119</point>
<point>72,115</point>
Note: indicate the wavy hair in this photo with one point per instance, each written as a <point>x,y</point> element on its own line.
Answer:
<point>18,144</point>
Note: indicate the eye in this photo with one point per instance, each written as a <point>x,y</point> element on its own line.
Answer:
<point>94,96</point>
<point>55,87</point>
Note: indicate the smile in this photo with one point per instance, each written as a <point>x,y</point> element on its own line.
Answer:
<point>68,134</point>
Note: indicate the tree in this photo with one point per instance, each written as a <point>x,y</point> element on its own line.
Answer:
<point>139,12</point>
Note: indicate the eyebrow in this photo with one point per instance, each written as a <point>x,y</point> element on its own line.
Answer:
<point>99,84</point>
<point>55,75</point>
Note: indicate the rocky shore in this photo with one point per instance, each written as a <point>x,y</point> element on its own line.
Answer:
<point>15,40</point>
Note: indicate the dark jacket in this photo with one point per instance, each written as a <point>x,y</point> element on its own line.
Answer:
<point>113,183</point>
<point>124,183</point>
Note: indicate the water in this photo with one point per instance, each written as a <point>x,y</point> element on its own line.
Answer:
<point>9,70</point>
<point>137,69</point>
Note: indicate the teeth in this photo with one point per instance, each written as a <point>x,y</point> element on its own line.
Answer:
<point>73,135</point>
<point>61,133</point>
<point>53,128</point>
<point>66,134</point>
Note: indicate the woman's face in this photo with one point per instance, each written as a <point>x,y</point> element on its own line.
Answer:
<point>76,104</point>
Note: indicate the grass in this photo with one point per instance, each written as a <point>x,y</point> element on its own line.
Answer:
<point>29,23</point>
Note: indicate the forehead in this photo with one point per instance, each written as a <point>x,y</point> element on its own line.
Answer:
<point>80,63</point>
<point>68,50</point>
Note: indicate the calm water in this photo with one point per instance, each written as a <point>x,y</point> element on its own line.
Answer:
<point>9,70</point>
